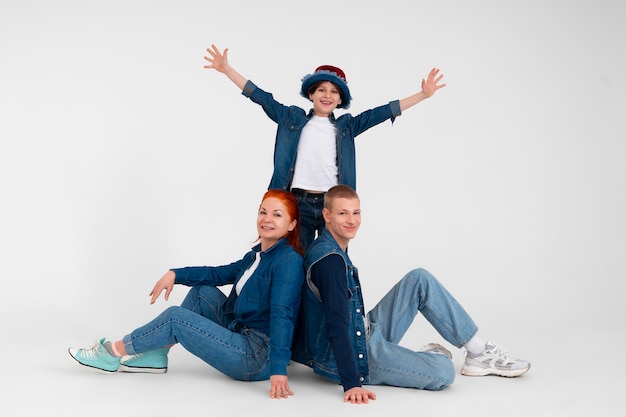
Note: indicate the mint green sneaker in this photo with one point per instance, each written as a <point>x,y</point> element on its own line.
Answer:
<point>96,357</point>
<point>151,362</point>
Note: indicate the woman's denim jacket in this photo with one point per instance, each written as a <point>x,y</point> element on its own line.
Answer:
<point>269,301</point>
<point>291,120</point>
<point>311,346</point>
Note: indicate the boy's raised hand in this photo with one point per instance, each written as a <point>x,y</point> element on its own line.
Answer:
<point>218,61</point>
<point>430,85</point>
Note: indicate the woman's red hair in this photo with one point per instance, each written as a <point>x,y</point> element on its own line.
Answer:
<point>291,205</point>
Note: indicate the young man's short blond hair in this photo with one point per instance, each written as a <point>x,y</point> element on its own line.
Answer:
<point>339,191</point>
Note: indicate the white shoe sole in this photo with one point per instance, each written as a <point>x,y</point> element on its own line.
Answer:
<point>140,370</point>
<point>476,371</point>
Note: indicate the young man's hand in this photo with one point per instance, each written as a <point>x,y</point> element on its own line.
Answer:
<point>358,395</point>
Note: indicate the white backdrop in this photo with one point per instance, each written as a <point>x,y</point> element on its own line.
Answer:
<point>122,157</point>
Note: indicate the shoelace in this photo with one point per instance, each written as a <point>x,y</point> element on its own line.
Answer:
<point>91,352</point>
<point>500,353</point>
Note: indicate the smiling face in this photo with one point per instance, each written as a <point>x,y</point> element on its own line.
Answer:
<point>273,222</point>
<point>343,218</point>
<point>325,97</point>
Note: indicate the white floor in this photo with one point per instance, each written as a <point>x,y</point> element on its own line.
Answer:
<point>39,378</point>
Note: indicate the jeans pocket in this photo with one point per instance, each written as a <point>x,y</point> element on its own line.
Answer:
<point>258,355</point>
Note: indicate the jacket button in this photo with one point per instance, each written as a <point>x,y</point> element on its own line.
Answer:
<point>361,379</point>
<point>360,356</point>
<point>358,310</point>
<point>358,333</point>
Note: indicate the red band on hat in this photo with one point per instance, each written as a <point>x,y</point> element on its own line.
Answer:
<point>330,68</point>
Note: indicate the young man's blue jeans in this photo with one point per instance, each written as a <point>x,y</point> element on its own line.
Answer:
<point>392,364</point>
<point>202,328</point>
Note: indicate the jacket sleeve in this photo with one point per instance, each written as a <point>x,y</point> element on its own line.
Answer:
<point>370,118</point>
<point>286,294</point>
<point>329,277</point>
<point>274,109</point>
<point>209,275</point>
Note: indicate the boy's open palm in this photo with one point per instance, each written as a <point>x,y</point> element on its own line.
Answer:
<point>218,61</point>
<point>430,84</point>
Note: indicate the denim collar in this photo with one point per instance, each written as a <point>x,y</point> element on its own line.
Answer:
<point>326,235</point>
<point>312,113</point>
<point>281,242</point>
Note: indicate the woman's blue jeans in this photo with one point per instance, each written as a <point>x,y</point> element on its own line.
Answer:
<point>202,328</point>
<point>392,364</point>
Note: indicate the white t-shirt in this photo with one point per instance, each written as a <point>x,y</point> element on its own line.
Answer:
<point>246,275</point>
<point>316,164</point>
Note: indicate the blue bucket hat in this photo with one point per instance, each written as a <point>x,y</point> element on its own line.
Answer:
<point>328,73</point>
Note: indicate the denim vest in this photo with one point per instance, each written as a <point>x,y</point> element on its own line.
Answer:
<point>291,120</point>
<point>311,346</point>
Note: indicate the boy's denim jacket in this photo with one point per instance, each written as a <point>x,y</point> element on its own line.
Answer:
<point>269,301</point>
<point>291,120</point>
<point>311,345</point>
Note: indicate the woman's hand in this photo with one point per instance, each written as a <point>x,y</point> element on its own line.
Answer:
<point>279,387</point>
<point>165,283</point>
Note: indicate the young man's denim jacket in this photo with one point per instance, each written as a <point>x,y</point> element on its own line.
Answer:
<point>311,345</point>
<point>269,302</point>
<point>291,120</point>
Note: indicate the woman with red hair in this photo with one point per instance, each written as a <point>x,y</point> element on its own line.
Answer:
<point>246,335</point>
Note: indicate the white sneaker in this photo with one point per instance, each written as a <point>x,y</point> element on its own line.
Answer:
<point>493,361</point>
